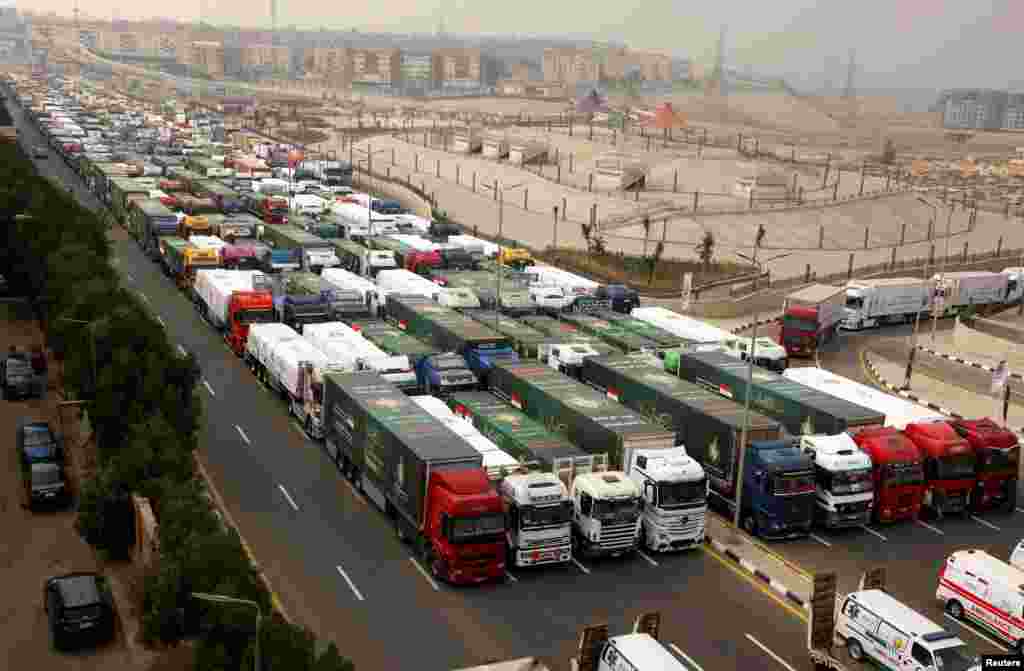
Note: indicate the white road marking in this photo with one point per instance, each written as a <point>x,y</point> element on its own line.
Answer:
<point>209,388</point>
<point>931,528</point>
<point>182,350</point>
<point>242,434</point>
<point>350,583</point>
<point>511,577</point>
<point>770,653</point>
<point>288,496</point>
<point>976,632</point>
<point>985,524</point>
<point>678,651</point>
<point>873,532</point>
<point>646,558</point>
<point>423,572</point>
<point>580,566</point>
<point>821,540</point>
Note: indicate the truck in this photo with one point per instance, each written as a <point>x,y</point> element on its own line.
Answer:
<point>800,409</point>
<point>610,332</point>
<point>239,257</point>
<point>150,221</point>
<point>315,253</point>
<point>189,225</point>
<point>843,474</point>
<point>235,226</point>
<point>514,300</point>
<point>452,257</point>
<point>362,260</point>
<point>297,302</point>
<point>449,331</point>
<point>232,300</point>
<point>638,651</point>
<point>418,261</point>
<point>525,340</point>
<point>194,205</point>
<point>290,365</point>
<point>700,336</point>
<point>225,198</point>
<point>538,510</point>
<point>968,289</point>
<point>516,257</point>
<point>661,338</point>
<point>393,341</point>
<point>271,209</point>
<point>343,342</point>
<point>949,467</point>
<point>497,463</point>
<point>597,424</point>
<point>708,429</point>
<point>426,479</point>
<point>897,471</point>
<point>183,260</point>
<point>811,317</point>
<point>998,460</point>
<point>347,281</point>
<point>884,301</point>
<point>342,302</point>
<point>778,490</point>
<point>564,332</point>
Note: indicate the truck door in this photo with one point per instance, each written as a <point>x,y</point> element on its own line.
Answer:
<point>893,647</point>
<point>920,658</point>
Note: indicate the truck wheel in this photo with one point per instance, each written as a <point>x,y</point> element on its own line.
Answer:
<point>400,532</point>
<point>853,647</point>
<point>750,525</point>
<point>955,609</point>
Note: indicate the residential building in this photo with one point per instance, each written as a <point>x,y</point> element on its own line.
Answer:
<point>570,66</point>
<point>276,58</point>
<point>417,73</point>
<point>376,67</point>
<point>1013,119</point>
<point>584,66</point>
<point>207,57</point>
<point>457,68</point>
<point>981,109</point>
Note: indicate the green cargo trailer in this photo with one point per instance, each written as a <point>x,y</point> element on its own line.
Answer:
<point>610,332</point>
<point>526,340</point>
<point>515,297</point>
<point>590,420</point>
<point>393,341</point>
<point>559,332</point>
<point>801,409</point>
<point>662,338</point>
<point>707,424</point>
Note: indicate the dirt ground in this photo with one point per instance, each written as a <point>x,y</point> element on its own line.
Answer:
<point>38,545</point>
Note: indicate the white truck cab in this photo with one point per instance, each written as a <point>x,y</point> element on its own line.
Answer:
<point>674,489</point>
<point>551,298</point>
<point>606,514</point>
<point>1014,284</point>
<point>568,357</point>
<point>767,353</point>
<point>538,518</point>
<point>842,473</point>
<point>457,298</point>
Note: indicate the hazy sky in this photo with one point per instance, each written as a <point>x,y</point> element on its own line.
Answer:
<point>904,43</point>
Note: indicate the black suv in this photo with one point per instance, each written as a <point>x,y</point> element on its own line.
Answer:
<point>622,299</point>
<point>42,464</point>
<point>80,608</point>
<point>17,378</point>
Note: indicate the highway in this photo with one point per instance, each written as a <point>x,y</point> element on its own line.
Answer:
<point>339,569</point>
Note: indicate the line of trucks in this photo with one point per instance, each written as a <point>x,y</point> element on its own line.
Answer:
<point>813,315</point>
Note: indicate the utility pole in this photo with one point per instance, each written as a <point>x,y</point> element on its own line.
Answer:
<point>942,270</point>
<point>929,293</point>
<point>501,261</point>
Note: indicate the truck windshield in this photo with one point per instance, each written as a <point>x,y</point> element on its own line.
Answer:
<point>999,460</point>
<point>532,517</point>
<point>790,484</point>
<point>955,466</point>
<point>854,302</point>
<point>682,494</point>
<point>902,474</point>
<point>246,317</point>
<point>955,658</point>
<point>623,510</point>
<point>851,482</point>
<point>798,324</point>
<point>479,529</point>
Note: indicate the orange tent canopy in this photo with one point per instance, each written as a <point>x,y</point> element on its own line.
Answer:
<point>665,117</point>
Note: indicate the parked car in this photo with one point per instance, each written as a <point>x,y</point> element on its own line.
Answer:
<point>16,377</point>
<point>37,444</point>
<point>79,608</point>
<point>46,485</point>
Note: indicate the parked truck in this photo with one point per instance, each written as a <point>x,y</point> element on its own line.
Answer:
<point>193,205</point>
<point>998,460</point>
<point>972,289</point>
<point>564,332</point>
<point>237,226</point>
<point>596,424</point>
<point>811,317</point>
<point>525,339</point>
<point>538,509</point>
<point>949,467</point>
<point>183,260</point>
<point>318,295</point>
<point>845,488</point>
<point>449,331</point>
<point>414,260</point>
<point>232,300</point>
<point>348,281</point>
<point>392,340</point>
<point>660,337</point>
<point>315,253</point>
<point>610,332</point>
<point>427,479</point>
<point>240,257</point>
<point>346,344</point>
<point>151,220</point>
<point>297,303</point>
<point>885,301</point>
<point>514,299</point>
<point>800,409</point>
<point>362,260</point>
<point>897,471</point>
<point>271,209</point>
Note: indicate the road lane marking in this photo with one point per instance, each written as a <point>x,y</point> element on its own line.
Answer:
<point>873,532</point>
<point>931,528</point>
<point>161,320</point>
<point>242,434</point>
<point>424,573</point>
<point>351,584</point>
<point>182,350</point>
<point>757,584</point>
<point>580,566</point>
<point>209,388</point>
<point>976,632</point>
<point>1020,510</point>
<point>821,540</point>
<point>646,558</point>
<point>771,654</point>
<point>288,496</point>
<point>985,524</point>
<point>676,649</point>
<point>511,577</point>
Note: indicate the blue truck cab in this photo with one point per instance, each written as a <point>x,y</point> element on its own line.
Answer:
<point>444,373</point>
<point>778,490</point>
<point>481,357</point>
<point>387,206</point>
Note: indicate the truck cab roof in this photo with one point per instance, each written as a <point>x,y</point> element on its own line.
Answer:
<point>673,465</point>
<point>836,453</point>
<point>606,485</point>
<point>535,488</point>
<point>779,455</point>
<point>644,652</point>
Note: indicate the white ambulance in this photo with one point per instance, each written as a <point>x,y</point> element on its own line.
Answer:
<point>974,585</point>
<point>875,626</point>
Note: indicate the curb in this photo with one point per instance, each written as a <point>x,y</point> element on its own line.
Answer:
<point>761,576</point>
<point>965,362</point>
<point>759,322</point>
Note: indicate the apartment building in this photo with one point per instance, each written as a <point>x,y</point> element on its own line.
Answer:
<point>574,66</point>
<point>457,68</point>
<point>417,73</point>
<point>206,56</point>
<point>981,109</point>
<point>376,67</point>
<point>570,66</point>
<point>1013,118</point>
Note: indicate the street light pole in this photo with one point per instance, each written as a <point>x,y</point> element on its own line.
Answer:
<point>221,599</point>
<point>942,270</point>
<point>737,517</point>
<point>501,261</point>
<point>930,296</point>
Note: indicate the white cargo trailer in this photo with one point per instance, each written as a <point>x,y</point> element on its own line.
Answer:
<point>337,337</point>
<point>214,287</point>
<point>496,460</point>
<point>344,279</point>
<point>972,288</point>
<point>884,301</point>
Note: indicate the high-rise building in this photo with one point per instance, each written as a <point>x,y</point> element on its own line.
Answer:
<point>981,109</point>
<point>457,68</point>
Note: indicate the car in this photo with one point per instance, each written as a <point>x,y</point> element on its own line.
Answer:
<point>46,485</point>
<point>79,608</point>
<point>17,380</point>
<point>37,443</point>
<point>40,151</point>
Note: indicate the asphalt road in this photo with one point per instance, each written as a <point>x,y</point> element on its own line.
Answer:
<point>339,569</point>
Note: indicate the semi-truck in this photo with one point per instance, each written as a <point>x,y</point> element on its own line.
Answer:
<point>596,424</point>
<point>151,220</point>
<point>345,343</point>
<point>845,488</point>
<point>610,332</point>
<point>237,226</point>
<point>362,260</point>
<point>348,281</point>
<point>800,409</point>
<point>232,300</point>
<point>564,332</point>
<point>242,256</point>
<point>538,509</point>
<point>342,303</point>
<point>315,253</point>
<point>414,260</point>
<point>514,299</point>
<point>427,479</point>
<point>998,459</point>
<point>497,463</point>
<point>297,303</point>
<point>183,260</point>
<point>525,340</point>
<point>811,317</point>
<point>482,347</point>
<point>949,467</point>
<point>193,205</point>
<point>966,289</point>
<point>710,429</point>
<point>271,209</point>
<point>392,340</point>
<point>885,301</point>
<point>897,471</point>
<point>661,338</point>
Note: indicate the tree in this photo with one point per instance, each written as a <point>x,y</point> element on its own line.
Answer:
<point>706,250</point>
<point>646,223</point>
<point>653,260</point>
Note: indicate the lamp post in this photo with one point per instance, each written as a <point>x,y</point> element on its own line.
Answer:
<point>759,265</point>
<point>500,193</point>
<point>917,317</point>
<point>221,599</point>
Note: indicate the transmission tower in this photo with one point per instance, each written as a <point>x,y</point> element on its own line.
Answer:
<point>851,70</point>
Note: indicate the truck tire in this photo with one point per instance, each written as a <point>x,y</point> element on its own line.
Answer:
<point>750,525</point>
<point>855,649</point>
<point>955,609</point>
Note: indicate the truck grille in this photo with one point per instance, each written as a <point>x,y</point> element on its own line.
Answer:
<point>688,524</point>
<point>906,500</point>
<point>543,542</point>
<point>853,508</point>
<point>618,536</point>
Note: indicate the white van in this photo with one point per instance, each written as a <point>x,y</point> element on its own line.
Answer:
<point>1017,556</point>
<point>875,626</point>
<point>974,585</point>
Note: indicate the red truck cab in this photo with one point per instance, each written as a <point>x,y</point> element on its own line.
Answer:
<point>800,335</point>
<point>465,527</point>
<point>897,469</point>
<point>245,308</point>
<point>949,466</point>
<point>421,262</point>
<point>275,210</point>
<point>998,459</point>
<point>239,257</point>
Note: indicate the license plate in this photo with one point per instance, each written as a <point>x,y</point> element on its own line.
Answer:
<point>86,625</point>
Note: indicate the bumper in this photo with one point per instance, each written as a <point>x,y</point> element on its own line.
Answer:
<point>785,532</point>
<point>834,520</point>
<point>591,549</point>
<point>540,556</point>
<point>677,543</point>
<point>777,365</point>
<point>892,514</point>
<point>474,575</point>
